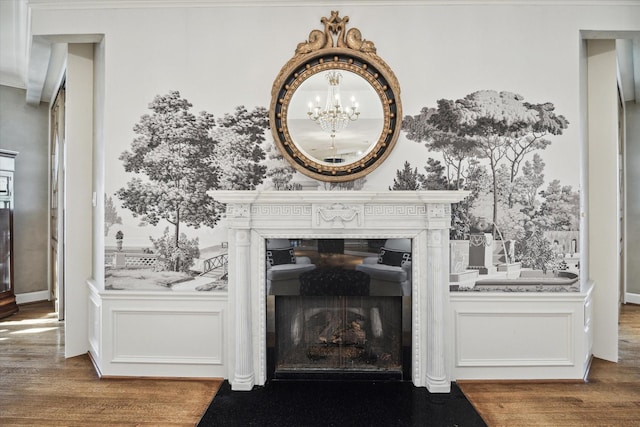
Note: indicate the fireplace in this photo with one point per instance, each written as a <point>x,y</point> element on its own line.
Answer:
<point>424,217</point>
<point>338,337</point>
<point>341,315</point>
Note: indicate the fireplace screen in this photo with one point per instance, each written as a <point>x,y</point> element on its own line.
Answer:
<point>338,335</point>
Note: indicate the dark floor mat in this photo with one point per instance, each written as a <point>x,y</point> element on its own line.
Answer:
<point>335,403</point>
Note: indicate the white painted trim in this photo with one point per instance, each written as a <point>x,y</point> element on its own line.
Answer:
<point>116,316</point>
<point>509,314</point>
<point>123,314</point>
<point>139,4</point>
<point>622,230</point>
<point>28,297</point>
<point>94,320</point>
<point>39,57</point>
<point>254,216</point>
<point>562,354</point>
<point>603,189</point>
<point>630,298</point>
<point>78,236</point>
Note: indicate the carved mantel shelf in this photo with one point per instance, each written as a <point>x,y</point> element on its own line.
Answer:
<point>355,210</point>
<point>383,197</point>
<point>423,216</point>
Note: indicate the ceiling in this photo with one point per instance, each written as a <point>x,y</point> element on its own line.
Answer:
<point>24,63</point>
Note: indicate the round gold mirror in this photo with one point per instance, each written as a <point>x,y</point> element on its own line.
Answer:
<point>335,109</point>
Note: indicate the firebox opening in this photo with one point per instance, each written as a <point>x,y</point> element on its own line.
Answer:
<point>339,309</point>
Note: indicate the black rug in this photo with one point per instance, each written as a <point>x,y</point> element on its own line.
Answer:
<point>334,403</point>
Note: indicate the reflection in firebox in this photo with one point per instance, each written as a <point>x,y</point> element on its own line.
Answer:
<point>338,308</point>
<point>338,333</point>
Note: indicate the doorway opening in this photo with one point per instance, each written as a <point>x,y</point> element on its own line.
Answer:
<point>57,198</point>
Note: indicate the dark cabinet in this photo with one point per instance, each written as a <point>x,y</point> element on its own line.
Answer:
<point>8,304</point>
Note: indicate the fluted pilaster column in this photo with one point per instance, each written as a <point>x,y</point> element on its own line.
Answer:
<point>437,378</point>
<point>244,374</point>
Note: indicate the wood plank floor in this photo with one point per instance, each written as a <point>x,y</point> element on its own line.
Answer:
<point>39,387</point>
<point>610,397</point>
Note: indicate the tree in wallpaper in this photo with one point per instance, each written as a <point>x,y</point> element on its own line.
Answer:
<point>433,178</point>
<point>279,171</point>
<point>178,157</point>
<point>238,155</point>
<point>410,179</point>
<point>407,178</point>
<point>489,143</point>
<point>111,216</point>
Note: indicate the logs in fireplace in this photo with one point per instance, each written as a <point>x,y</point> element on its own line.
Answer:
<point>338,337</point>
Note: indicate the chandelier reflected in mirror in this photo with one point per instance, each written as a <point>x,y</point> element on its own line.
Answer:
<point>334,117</point>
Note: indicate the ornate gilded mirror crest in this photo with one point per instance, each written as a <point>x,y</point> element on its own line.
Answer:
<point>335,106</point>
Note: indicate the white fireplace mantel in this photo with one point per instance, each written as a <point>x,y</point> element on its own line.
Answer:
<point>423,216</point>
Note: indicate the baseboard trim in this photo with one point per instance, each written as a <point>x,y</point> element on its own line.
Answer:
<point>161,378</point>
<point>95,365</point>
<point>588,370</point>
<point>631,298</point>
<point>521,381</point>
<point>32,297</point>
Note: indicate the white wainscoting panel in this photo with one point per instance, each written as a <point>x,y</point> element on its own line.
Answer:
<point>142,335</point>
<point>515,339</point>
<point>507,335</point>
<point>162,334</point>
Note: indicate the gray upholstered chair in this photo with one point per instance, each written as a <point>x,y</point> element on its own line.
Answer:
<point>390,271</point>
<point>284,268</point>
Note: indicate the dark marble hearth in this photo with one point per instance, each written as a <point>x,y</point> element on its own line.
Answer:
<point>338,403</point>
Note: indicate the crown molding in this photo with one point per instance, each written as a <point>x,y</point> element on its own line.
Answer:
<point>141,4</point>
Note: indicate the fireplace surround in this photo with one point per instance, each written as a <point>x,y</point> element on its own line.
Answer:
<point>254,216</point>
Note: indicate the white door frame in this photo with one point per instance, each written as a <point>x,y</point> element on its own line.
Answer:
<point>601,224</point>
<point>78,228</point>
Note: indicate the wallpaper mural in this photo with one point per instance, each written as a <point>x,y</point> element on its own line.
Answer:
<point>492,144</point>
<point>488,142</point>
<point>174,160</point>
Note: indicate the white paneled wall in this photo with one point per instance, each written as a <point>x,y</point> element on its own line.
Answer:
<point>507,335</point>
<point>158,334</point>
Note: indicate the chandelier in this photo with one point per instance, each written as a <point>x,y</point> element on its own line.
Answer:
<point>334,117</point>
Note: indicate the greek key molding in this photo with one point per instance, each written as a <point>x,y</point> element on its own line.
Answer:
<point>395,210</point>
<point>296,211</point>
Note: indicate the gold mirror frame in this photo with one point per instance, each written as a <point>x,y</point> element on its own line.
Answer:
<point>336,49</point>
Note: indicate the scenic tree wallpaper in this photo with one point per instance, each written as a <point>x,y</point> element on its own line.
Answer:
<point>490,143</point>
<point>175,159</point>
